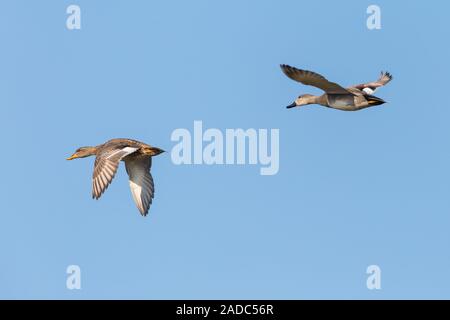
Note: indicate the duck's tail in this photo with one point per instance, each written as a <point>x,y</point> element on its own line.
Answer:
<point>152,151</point>
<point>374,101</point>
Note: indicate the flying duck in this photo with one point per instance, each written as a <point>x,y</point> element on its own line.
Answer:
<point>348,99</point>
<point>138,161</point>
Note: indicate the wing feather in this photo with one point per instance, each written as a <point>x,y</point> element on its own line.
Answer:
<point>141,181</point>
<point>371,87</point>
<point>312,79</point>
<point>105,168</point>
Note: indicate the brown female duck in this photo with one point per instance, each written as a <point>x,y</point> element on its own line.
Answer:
<point>138,160</point>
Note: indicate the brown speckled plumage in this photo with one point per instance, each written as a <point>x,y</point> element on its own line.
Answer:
<point>138,159</point>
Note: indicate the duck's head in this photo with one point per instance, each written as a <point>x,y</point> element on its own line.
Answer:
<point>302,100</point>
<point>83,152</point>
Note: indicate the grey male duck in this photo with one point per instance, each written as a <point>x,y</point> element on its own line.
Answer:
<point>348,99</point>
<point>138,161</point>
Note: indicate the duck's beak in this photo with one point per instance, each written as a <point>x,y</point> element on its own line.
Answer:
<point>292,105</point>
<point>74,156</point>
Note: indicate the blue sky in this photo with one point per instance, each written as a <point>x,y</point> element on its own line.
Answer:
<point>353,189</point>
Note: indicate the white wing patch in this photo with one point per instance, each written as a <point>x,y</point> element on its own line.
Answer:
<point>369,90</point>
<point>124,152</point>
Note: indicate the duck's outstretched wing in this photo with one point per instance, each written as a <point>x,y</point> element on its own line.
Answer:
<point>371,87</point>
<point>141,181</point>
<point>312,79</point>
<point>105,168</point>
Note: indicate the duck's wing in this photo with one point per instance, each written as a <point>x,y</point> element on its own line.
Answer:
<point>371,87</point>
<point>312,79</point>
<point>141,181</point>
<point>105,168</point>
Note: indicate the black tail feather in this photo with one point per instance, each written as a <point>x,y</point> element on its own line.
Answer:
<point>374,101</point>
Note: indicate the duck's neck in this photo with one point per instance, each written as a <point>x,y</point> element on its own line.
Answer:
<point>90,151</point>
<point>322,100</point>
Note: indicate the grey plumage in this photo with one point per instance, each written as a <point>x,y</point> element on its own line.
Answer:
<point>337,97</point>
